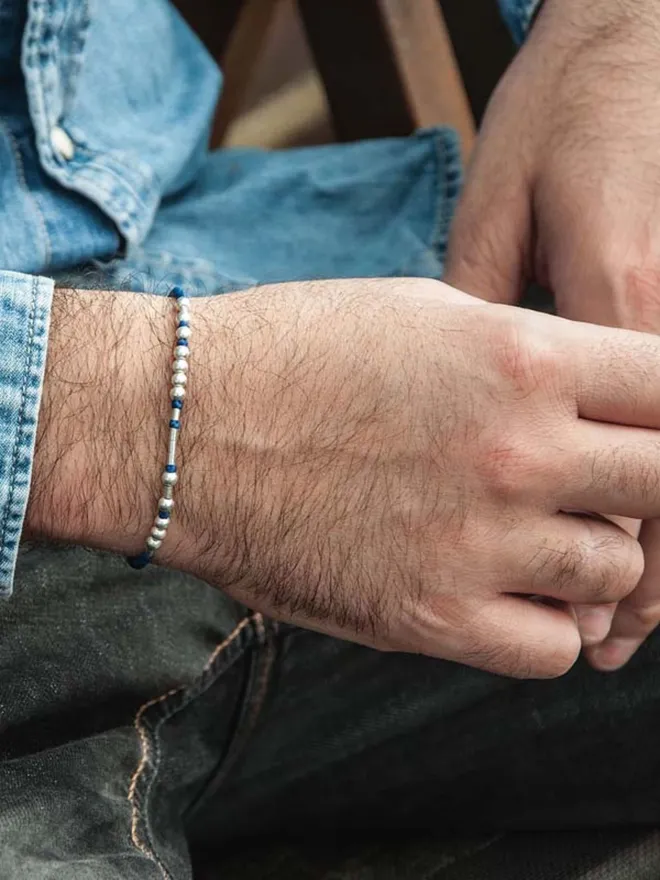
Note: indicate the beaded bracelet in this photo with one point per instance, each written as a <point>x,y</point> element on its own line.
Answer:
<point>177,393</point>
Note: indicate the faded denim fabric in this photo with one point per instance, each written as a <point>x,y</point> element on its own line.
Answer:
<point>519,15</point>
<point>24,309</point>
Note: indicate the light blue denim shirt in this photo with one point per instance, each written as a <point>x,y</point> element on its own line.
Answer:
<point>105,108</point>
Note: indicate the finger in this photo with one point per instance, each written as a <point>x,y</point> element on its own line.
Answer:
<point>639,614</point>
<point>595,621</point>
<point>616,372</point>
<point>515,637</point>
<point>574,559</point>
<point>613,469</point>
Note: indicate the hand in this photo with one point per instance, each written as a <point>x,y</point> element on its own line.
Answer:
<point>385,461</point>
<point>565,189</point>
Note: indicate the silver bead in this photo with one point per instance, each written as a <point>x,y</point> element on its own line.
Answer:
<point>166,503</point>
<point>153,543</point>
<point>178,392</point>
<point>183,302</point>
<point>160,522</point>
<point>180,365</point>
<point>181,351</point>
<point>183,332</point>
<point>184,315</point>
<point>179,379</point>
<point>158,534</point>
<point>169,479</point>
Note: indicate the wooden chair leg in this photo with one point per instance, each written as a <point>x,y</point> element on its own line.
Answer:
<point>388,67</point>
<point>239,59</point>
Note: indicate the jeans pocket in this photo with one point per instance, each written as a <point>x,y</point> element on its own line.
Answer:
<point>190,737</point>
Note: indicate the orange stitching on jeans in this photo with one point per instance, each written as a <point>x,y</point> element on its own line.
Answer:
<point>145,748</point>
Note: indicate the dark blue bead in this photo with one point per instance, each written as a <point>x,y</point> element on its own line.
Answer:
<point>182,342</point>
<point>140,561</point>
<point>175,423</point>
<point>177,404</point>
<point>163,514</point>
<point>177,293</point>
<point>170,468</point>
<point>184,323</point>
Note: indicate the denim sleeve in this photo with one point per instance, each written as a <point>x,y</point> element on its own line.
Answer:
<point>519,15</point>
<point>25,302</point>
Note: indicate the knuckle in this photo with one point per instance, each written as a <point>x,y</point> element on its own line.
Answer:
<point>562,660</point>
<point>507,466</point>
<point>647,616</point>
<point>525,358</point>
<point>632,564</point>
<point>612,567</point>
<point>639,290</point>
<point>559,566</point>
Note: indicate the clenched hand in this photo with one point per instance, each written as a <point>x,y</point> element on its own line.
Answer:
<point>565,190</point>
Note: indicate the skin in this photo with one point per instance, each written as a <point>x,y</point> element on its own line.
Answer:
<point>564,189</point>
<point>388,461</point>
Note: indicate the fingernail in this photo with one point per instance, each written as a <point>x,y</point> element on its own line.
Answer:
<point>613,654</point>
<point>594,623</point>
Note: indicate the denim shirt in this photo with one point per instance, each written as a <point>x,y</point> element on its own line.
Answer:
<point>105,110</point>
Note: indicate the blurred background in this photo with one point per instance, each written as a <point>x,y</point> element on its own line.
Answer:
<point>302,72</point>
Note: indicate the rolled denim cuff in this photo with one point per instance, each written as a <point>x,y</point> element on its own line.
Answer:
<point>519,16</point>
<point>25,302</point>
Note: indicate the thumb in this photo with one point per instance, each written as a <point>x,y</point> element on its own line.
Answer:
<point>491,238</point>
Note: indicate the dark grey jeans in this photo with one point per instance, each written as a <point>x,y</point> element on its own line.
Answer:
<point>143,715</point>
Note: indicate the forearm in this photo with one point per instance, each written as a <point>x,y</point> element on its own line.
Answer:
<point>102,433</point>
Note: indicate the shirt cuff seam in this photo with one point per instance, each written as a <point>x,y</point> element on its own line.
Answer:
<point>14,513</point>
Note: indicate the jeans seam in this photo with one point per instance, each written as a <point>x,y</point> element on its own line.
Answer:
<point>150,752</point>
<point>21,415</point>
<point>247,723</point>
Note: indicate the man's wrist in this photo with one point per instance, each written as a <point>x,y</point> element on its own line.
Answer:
<point>102,429</point>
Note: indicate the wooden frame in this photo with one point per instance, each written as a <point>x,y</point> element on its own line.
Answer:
<point>388,66</point>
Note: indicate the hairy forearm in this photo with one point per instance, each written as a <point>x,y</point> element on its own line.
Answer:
<point>103,427</point>
<point>102,431</point>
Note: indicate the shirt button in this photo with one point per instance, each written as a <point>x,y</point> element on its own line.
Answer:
<point>62,143</point>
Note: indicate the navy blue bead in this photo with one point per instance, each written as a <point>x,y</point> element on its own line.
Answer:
<point>177,404</point>
<point>163,514</point>
<point>175,423</point>
<point>182,342</point>
<point>184,323</point>
<point>140,561</point>
<point>177,293</point>
<point>170,468</point>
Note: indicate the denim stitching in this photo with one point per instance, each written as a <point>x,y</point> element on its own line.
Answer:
<point>448,165</point>
<point>27,371</point>
<point>20,168</point>
<point>39,100</point>
<point>77,54</point>
<point>149,749</point>
<point>246,724</point>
